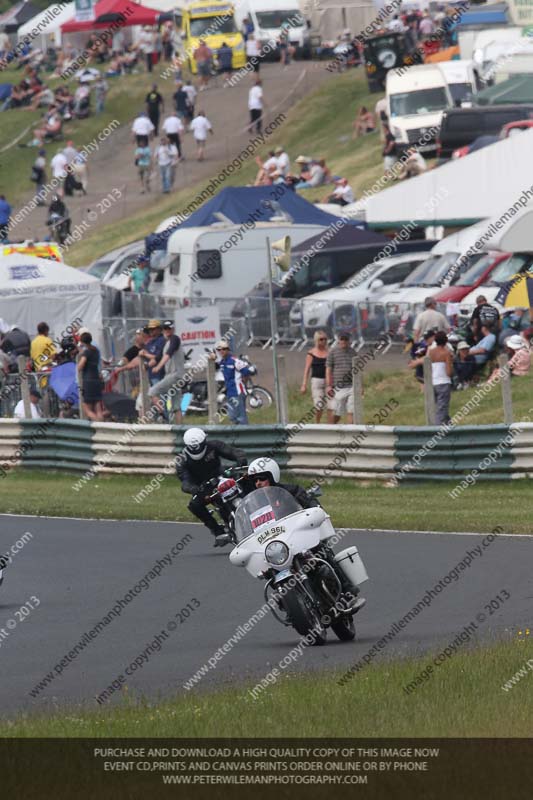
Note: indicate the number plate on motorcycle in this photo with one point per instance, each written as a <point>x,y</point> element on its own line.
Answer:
<point>269,534</point>
<point>262,517</point>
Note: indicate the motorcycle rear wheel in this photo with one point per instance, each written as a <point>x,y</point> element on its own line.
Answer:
<point>303,618</point>
<point>344,629</point>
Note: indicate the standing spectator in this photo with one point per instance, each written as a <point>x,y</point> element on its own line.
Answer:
<point>255,106</point>
<point>225,59</point>
<point>339,379</point>
<point>364,123</point>
<point>91,383</point>
<point>315,366</point>
<point>191,93</point>
<point>200,126</point>
<point>146,46</point>
<point>204,59</point>
<point>42,348</point>
<point>38,176</point>
<point>130,359</point>
<point>166,40</point>
<point>35,396</point>
<point>79,170</point>
<point>154,106</point>
<point>173,364</point>
<point>166,156</point>
<point>247,28</point>
<point>483,313</point>
<point>59,170</point>
<point>143,162</point>
<point>181,101</point>
<point>139,280</point>
<point>390,149</point>
<point>142,129</point>
<point>253,52</point>
<point>380,111</point>
<point>418,351</point>
<point>233,369</point>
<point>441,372</point>
<point>101,88</point>
<point>153,350</point>
<point>4,45</point>
<point>70,152</point>
<point>430,318</point>
<point>395,25</point>
<point>173,128</point>
<point>284,43</point>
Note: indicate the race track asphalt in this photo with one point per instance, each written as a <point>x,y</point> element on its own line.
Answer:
<point>79,569</point>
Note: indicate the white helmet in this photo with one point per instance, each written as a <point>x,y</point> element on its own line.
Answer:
<point>265,465</point>
<point>195,441</point>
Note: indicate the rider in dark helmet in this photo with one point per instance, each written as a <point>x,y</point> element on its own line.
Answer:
<point>199,461</point>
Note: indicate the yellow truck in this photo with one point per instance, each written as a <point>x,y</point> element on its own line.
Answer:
<point>214,23</point>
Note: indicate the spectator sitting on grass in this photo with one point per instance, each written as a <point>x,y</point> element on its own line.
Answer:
<point>485,347</point>
<point>464,365</point>
<point>364,123</point>
<point>342,195</point>
<point>519,355</point>
<point>314,176</point>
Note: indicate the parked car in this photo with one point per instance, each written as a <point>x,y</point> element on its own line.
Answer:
<point>479,273</point>
<point>335,309</point>
<point>461,126</point>
<point>511,265</point>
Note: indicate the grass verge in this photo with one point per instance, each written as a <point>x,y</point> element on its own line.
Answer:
<point>462,698</point>
<point>350,503</point>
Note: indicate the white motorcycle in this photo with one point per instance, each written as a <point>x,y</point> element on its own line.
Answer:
<point>308,586</point>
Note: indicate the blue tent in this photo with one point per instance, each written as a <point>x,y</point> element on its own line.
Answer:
<point>480,16</point>
<point>249,204</point>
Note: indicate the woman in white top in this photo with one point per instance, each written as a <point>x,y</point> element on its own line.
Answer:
<point>253,52</point>
<point>441,372</point>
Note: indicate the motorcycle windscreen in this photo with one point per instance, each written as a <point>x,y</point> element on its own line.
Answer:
<point>261,508</point>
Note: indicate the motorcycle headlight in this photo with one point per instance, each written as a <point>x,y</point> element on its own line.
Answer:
<point>276,553</point>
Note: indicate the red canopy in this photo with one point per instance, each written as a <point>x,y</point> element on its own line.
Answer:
<point>107,12</point>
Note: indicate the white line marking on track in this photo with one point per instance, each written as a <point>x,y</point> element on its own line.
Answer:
<point>354,530</point>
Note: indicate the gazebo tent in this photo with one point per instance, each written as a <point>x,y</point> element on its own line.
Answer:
<point>106,12</point>
<point>515,90</point>
<point>10,21</point>
<point>33,289</point>
<point>49,27</point>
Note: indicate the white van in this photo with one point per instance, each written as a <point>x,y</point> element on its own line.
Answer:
<point>462,77</point>
<point>221,261</point>
<point>416,99</point>
<point>267,17</point>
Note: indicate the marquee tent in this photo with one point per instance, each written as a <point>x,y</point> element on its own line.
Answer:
<point>50,26</point>
<point>107,12</point>
<point>10,21</point>
<point>37,289</point>
<point>460,192</point>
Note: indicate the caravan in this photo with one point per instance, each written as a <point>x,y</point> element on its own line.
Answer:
<point>267,18</point>
<point>222,261</point>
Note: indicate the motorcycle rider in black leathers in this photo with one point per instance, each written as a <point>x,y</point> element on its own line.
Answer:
<point>199,461</point>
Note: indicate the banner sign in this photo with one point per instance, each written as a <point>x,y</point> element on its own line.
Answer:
<point>198,329</point>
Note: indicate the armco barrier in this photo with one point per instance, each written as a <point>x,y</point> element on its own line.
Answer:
<point>349,451</point>
<point>424,455</point>
<point>10,431</point>
<point>57,443</point>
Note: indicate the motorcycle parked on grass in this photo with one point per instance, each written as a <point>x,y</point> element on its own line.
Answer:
<point>195,392</point>
<point>289,547</point>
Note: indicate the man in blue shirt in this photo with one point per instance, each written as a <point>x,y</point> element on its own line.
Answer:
<point>233,369</point>
<point>483,349</point>
<point>5,214</point>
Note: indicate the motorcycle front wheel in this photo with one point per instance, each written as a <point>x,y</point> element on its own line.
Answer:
<point>303,617</point>
<point>344,629</point>
<point>258,398</point>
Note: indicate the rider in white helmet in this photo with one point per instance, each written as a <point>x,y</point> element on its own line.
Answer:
<point>199,461</point>
<point>265,472</point>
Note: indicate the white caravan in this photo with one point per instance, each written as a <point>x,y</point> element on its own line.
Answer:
<point>462,77</point>
<point>222,261</point>
<point>416,99</point>
<point>267,17</point>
